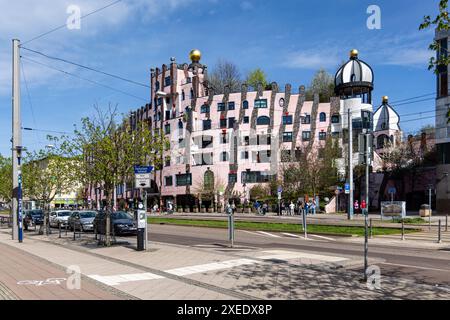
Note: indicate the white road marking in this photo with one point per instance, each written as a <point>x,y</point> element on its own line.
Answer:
<point>288,255</point>
<point>118,279</point>
<point>322,237</point>
<point>291,235</point>
<point>250,232</point>
<point>211,267</point>
<point>415,267</point>
<point>268,234</point>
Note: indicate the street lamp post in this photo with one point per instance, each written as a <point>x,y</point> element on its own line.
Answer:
<point>163,95</point>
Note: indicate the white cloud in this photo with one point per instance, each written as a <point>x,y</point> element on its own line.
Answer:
<point>311,60</point>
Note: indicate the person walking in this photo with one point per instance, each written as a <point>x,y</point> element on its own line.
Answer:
<point>258,207</point>
<point>233,207</point>
<point>292,207</point>
<point>265,207</point>
<point>313,207</point>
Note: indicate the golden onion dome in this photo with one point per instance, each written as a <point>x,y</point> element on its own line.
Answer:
<point>195,55</point>
<point>385,99</point>
<point>354,53</point>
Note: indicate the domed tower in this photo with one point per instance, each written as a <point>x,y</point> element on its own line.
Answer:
<point>386,126</point>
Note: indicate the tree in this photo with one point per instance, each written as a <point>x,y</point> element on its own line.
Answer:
<point>323,84</point>
<point>107,151</point>
<point>47,173</point>
<point>6,184</point>
<point>256,77</point>
<point>441,23</point>
<point>224,74</point>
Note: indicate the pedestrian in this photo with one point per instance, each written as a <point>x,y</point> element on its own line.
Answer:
<point>258,207</point>
<point>233,207</point>
<point>306,208</point>
<point>313,207</point>
<point>356,206</point>
<point>265,207</point>
<point>292,207</point>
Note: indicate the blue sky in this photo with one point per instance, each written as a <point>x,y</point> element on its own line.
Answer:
<point>289,39</point>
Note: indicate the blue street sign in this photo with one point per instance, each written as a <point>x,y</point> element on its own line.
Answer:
<point>280,189</point>
<point>392,190</point>
<point>143,170</point>
<point>347,188</point>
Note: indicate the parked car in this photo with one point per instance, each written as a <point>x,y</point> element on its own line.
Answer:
<point>84,218</point>
<point>59,217</point>
<point>122,223</point>
<point>33,218</point>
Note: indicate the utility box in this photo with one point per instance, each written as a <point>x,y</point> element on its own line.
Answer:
<point>425,210</point>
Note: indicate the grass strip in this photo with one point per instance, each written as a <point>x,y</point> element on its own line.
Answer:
<point>279,227</point>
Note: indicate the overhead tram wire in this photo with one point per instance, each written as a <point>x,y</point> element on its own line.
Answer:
<point>65,25</point>
<point>49,131</point>
<point>87,68</point>
<point>84,79</point>
<point>413,98</point>
<point>29,100</point>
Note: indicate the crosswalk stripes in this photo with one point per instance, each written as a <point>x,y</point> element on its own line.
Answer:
<point>268,234</point>
<point>421,236</point>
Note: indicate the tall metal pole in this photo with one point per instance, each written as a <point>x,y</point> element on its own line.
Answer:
<point>350,164</point>
<point>17,136</point>
<point>146,222</point>
<point>366,216</point>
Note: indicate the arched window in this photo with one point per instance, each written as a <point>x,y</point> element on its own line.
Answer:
<point>245,105</point>
<point>183,95</point>
<point>208,180</point>
<point>157,86</point>
<point>381,141</point>
<point>180,124</point>
<point>224,157</point>
<point>263,121</point>
<point>192,93</point>
<point>323,117</point>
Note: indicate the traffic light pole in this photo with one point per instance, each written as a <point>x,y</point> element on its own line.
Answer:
<point>350,164</point>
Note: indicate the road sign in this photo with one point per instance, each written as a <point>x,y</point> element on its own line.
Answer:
<point>347,188</point>
<point>143,169</point>
<point>279,195</point>
<point>280,189</point>
<point>142,176</point>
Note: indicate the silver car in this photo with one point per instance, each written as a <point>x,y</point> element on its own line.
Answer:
<point>59,217</point>
<point>82,220</point>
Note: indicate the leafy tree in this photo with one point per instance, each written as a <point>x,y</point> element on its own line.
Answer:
<point>441,23</point>
<point>5,179</point>
<point>256,77</point>
<point>225,73</point>
<point>47,173</point>
<point>323,84</point>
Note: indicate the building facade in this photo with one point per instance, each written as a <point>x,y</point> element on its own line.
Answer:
<point>235,140</point>
<point>443,128</point>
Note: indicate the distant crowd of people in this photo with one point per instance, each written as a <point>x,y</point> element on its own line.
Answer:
<point>289,209</point>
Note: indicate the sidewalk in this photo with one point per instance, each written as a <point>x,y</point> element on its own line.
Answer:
<point>217,273</point>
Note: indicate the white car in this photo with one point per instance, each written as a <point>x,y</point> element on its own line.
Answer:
<point>59,217</point>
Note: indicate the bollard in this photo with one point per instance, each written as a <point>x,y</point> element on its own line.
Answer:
<point>59,226</point>
<point>446,223</point>
<point>403,230</point>
<point>439,232</point>
<point>371,231</point>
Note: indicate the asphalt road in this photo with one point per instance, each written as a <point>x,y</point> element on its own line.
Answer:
<point>421,265</point>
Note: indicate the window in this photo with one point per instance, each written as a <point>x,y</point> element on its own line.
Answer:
<point>206,125</point>
<point>167,162</point>
<point>306,119</point>
<point>335,119</point>
<point>256,177</point>
<point>245,105</point>
<point>192,93</point>
<point>224,138</point>
<point>322,135</point>
<point>167,81</point>
<point>263,140</point>
<point>246,119</point>
<point>262,103</point>
<point>231,106</point>
<point>180,124</point>
<point>168,181</point>
<point>181,143</point>
<point>184,180</point>
<point>287,137</point>
<point>167,115</point>
<point>224,157</point>
<point>205,109</point>
<point>188,80</point>
<point>263,121</point>
<point>244,155</point>
<point>287,120</point>
<point>306,135</point>
<point>231,122</point>
<point>247,141</point>
<point>263,156</point>
<point>232,178</point>
<point>207,142</point>
<point>223,123</point>
<point>298,154</point>
<point>205,159</point>
<point>221,106</point>
<point>183,96</point>
<point>157,86</point>
<point>167,129</point>
<point>323,117</point>
<point>159,101</point>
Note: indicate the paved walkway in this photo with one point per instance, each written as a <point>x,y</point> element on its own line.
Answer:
<point>24,276</point>
<point>218,273</point>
